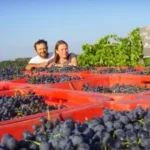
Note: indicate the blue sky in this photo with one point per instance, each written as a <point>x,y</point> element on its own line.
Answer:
<point>22,22</point>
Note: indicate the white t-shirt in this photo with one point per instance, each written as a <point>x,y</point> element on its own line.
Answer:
<point>37,59</point>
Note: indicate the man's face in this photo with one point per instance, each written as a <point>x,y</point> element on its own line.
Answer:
<point>42,50</point>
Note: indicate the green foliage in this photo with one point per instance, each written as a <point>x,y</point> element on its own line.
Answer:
<point>147,61</point>
<point>18,63</point>
<point>112,50</point>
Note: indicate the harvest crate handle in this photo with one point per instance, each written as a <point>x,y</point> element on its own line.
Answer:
<point>19,90</point>
<point>71,86</point>
<point>146,82</point>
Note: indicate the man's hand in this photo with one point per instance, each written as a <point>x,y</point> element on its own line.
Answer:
<point>44,64</point>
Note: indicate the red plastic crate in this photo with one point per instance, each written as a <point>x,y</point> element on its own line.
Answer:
<point>79,113</point>
<point>55,97</point>
<point>144,78</point>
<point>24,80</point>
<point>130,78</point>
<point>92,74</point>
<point>128,104</point>
<point>88,111</point>
<point>125,104</point>
<point>138,68</point>
<point>46,73</point>
<point>10,86</point>
<point>104,81</point>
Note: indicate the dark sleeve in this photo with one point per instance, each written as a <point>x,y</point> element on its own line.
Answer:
<point>71,55</point>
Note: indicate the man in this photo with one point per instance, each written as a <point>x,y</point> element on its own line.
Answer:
<point>43,59</point>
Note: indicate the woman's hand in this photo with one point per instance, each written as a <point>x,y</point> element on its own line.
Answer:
<point>59,65</point>
<point>51,64</point>
<point>71,64</point>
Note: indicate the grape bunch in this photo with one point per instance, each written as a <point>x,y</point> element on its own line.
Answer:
<point>143,72</point>
<point>114,130</point>
<point>117,88</point>
<point>19,106</point>
<point>11,73</point>
<point>49,79</point>
<point>65,69</point>
<point>111,70</point>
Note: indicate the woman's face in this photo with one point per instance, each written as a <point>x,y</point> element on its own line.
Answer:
<point>62,51</point>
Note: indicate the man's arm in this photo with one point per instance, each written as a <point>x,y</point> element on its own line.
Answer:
<point>32,65</point>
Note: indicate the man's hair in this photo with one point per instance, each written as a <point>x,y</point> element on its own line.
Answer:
<point>40,42</point>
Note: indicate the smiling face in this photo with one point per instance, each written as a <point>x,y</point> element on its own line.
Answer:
<point>62,51</point>
<point>42,50</point>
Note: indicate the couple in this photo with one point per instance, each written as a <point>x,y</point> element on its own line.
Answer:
<point>60,57</point>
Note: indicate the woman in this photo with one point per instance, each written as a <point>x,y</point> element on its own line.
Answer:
<point>62,56</point>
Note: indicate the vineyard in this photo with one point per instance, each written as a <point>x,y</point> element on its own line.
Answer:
<point>110,50</point>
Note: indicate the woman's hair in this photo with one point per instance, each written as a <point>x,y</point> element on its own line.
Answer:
<point>56,56</point>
